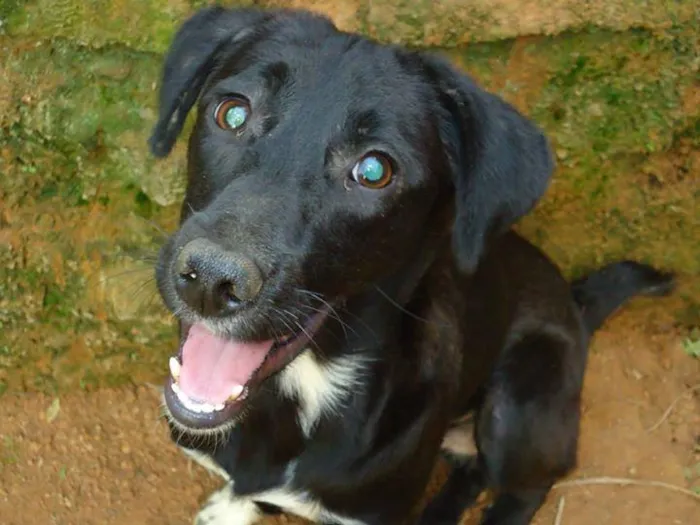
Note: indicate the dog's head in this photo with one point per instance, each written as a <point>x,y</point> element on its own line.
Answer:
<point>320,164</point>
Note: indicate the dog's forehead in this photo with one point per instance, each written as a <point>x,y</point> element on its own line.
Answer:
<point>346,69</point>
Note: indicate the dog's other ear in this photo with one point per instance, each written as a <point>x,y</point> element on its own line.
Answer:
<point>502,162</point>
<point>190,59</point>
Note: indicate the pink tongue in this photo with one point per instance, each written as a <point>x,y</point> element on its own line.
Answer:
<point>212,367</point>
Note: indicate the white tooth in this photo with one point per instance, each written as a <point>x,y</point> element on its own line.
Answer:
<point>196,406</point>
<point>236,392</point>
<point>174,368</point>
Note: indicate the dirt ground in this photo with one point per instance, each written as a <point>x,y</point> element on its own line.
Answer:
<point>105,458</point>
<point>77,186</point>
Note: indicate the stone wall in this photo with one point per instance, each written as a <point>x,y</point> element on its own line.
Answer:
<point>84,207</point>
<point>147,24</point>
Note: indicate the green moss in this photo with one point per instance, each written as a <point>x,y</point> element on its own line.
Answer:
<point>9,453</point>
<point>427,23</point>
<point>90,381</point>
<point>73,139</point>
<point>9,7</point>
<point>146,25</point>
<point>615,108</point>
<point>75,95</point>
<point>453,24</point>
<point>81,190</point>
<point>141,24</point>
<point>144,205</point>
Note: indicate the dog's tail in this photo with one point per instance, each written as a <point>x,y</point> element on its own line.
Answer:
<point>600,293</point>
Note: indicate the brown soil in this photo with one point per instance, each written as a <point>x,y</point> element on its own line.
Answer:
<point>105,458</point>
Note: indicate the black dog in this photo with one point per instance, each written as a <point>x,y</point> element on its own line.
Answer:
<point>352,302</point>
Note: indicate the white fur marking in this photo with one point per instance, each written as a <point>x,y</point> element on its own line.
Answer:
<point>300,504</point>
<point>206,461</point>
<point>459,440</point>
<point>292,502</point>
<point>223,508</point>
<point>319,387</point>
<point>290,471</point>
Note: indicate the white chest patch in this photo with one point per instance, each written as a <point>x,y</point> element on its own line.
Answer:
<point>320,387</point>
<point>224,507</point>
<point>459,440</point>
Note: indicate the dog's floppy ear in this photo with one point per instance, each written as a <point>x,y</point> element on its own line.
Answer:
<point>190,58</point>
<point>501,161</point>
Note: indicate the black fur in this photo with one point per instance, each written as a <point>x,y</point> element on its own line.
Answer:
<point>453,313</point>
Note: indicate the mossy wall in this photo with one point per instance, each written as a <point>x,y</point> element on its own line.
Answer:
<point>83,206</point>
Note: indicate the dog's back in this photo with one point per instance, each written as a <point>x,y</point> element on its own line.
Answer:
<point>524,417</point>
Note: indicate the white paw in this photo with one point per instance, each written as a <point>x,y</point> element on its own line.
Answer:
<point>224,508</point>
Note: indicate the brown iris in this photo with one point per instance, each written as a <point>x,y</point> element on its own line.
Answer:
<point>232,113</point>
<point>374,171</point>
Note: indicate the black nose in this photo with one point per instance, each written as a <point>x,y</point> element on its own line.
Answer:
<point>213,281</point>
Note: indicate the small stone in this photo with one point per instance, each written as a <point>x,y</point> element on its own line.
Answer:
<point>636,374</point>
<point>596,110</point>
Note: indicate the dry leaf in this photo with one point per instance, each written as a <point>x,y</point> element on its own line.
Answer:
<point>53,410</point>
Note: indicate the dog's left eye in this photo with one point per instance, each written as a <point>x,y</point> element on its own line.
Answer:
<point>373,171</point>
<point>232,113</point>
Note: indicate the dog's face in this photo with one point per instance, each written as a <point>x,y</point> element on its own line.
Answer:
<point>320,164</point>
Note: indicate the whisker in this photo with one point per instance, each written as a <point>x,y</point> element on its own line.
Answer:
<point>281,316</point>
<point>320,299</point>
<point>192,211</point>
<point>178,312</point>
<point>270,324</point>
<point>148,256</point>
<point>402,309</point>
<point>135,289</point>
<point>345,326</point>
<point>332,334</point>
<point>333,311</point>
<point>308,336</point>
<point>157,227</point>
<point>94,278</point>
<point>295,322</point>
<point>153,297</point>
<point>346,312</point>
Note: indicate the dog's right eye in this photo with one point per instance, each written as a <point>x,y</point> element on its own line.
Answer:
<point>374,171</point>
<point>232,113</point>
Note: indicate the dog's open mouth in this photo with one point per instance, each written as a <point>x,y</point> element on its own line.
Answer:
<point>211,378</point>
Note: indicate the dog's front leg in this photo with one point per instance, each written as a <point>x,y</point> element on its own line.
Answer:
<point>224,507</point>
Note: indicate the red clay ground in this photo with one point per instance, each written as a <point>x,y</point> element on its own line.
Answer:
<point>104,457</point>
